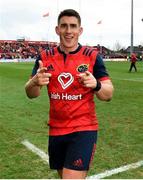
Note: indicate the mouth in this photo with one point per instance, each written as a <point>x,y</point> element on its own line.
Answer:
<point>68,37</point>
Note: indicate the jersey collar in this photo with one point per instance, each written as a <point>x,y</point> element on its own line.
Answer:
<point>72,52</point>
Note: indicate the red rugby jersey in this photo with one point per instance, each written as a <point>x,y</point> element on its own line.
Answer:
<point>72,105</point>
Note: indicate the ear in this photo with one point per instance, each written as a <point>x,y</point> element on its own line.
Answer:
<point>57,30</point>
<point>80,31</point>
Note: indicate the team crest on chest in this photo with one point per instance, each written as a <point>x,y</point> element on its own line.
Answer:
<point>82,68</point>
<point>65,79</point>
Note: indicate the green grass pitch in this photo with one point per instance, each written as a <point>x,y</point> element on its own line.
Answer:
<point>120,140</point>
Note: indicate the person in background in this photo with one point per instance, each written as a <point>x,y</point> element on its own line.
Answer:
<point>133,60</point>
<point>73,74</point>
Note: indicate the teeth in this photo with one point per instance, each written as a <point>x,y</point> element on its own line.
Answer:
<point>68,37</point>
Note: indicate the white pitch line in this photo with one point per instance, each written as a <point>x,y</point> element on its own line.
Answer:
<point>36,150</point>
<point>136,80</point>
<point>116,170</point>
<point>107,173</point>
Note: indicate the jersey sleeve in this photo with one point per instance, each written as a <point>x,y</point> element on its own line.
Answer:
<point>36,66</point>
<point>99,69</point>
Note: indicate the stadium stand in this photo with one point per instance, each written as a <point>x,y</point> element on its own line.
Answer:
<point>23,49</point>
<point>17,49</point>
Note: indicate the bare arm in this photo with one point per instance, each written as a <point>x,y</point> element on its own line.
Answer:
<point>106,91</point>
<point>34,85</point>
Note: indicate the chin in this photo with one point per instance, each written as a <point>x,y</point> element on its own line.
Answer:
<point>69,45</point>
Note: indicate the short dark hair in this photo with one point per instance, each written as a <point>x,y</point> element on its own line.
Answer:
<point>69,12</point>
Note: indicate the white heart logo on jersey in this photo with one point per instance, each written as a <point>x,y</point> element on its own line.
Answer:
<point>65,79</point>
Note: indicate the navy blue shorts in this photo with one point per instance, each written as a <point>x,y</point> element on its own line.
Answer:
<point>72,151</point>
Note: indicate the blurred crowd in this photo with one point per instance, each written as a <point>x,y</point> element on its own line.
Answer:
<point>10,49</point>
<point>22,49</point>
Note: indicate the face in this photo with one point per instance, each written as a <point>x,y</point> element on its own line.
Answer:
<point>69,31</point>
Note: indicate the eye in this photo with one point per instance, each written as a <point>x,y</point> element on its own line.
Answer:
<point>63,25</point>
<point>73,25</point>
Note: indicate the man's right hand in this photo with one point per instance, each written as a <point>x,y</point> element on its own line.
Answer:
<point>42,77</point>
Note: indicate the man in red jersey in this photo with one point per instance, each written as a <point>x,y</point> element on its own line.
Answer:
<point>133,60</point>
<point>73,74</point>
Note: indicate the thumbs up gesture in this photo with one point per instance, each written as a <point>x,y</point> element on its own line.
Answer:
<point>42,77</point>
<point>87,79</point>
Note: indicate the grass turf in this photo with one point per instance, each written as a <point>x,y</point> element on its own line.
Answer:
<point>120,139</point>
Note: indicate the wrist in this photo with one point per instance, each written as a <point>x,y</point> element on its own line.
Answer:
<point>98,86</point>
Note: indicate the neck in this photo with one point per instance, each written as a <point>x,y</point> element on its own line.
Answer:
<point>67,50</point>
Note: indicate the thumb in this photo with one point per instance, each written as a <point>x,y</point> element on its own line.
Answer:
<point>87,73</point>
<point>40,64</point>
<point>41,68</point>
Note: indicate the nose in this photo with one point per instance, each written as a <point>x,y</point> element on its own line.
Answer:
<point>68,29</point>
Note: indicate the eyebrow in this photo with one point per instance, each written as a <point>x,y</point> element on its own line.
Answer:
<point>72,24</point>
